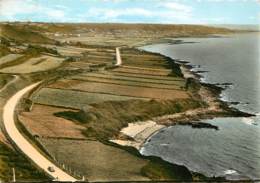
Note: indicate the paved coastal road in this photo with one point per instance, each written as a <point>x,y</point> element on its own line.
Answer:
<point>118,57</point>
<point>23,144</point>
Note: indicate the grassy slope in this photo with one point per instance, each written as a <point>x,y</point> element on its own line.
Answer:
<point>31,33</point>
<point>30,52</point>
<point>104,120</point>
<point>4,50</point>
<point>149,28</point>
<point>23,34</point>
<point>17,61</point>
<point>24,169</point>
<point>4,79</point>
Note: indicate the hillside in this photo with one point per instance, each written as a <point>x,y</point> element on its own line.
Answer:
<point>86,99</point>
<point>138,28</point>
<point>23,34</point>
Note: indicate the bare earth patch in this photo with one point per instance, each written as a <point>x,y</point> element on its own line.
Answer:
<point>42,122</point>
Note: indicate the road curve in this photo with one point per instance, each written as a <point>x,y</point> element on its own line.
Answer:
<point>23,144</point>
<point>118,57</point>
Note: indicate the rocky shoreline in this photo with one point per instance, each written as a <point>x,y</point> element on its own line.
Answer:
<point>209,93</point>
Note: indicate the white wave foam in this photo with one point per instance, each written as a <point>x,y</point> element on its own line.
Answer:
<point>224,97</point>
<point>248,121</point>
<point>229,172</point>
<point>166,144</point>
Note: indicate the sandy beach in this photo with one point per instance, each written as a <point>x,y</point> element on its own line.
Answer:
<point>139,133</point>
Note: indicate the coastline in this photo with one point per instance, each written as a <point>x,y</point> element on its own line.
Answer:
<point>137,133</point>
<point>105,124</point>
<point>132,136</point>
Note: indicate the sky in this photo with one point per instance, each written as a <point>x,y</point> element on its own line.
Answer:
<point>133,11</point>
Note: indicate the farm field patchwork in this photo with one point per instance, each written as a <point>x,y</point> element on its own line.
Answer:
<point>148,65</point>
<point>122,90</point>
<point>102,40</point>
<point>137,70</point>
<point>74,99</point>
<point>105,57</point>
<point>70,50</point>
<point>144,62</point>
<point>79,65</point>
<point>145,76</point>
<point>98,60</point>
<point>67,50</point>
<point>135,77</point>
<point>129,83</point>
<point>103,52</point>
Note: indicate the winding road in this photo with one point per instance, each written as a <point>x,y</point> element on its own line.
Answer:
<point>22,143</point>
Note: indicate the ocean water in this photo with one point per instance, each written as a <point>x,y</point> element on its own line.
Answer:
<point>234,150</point>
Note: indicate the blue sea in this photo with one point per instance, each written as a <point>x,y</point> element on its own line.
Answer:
<point>232,151</point>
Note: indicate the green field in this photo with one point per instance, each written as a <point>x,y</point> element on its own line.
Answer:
<point>137,70</point>
<point>121,90</point>
<point>146,79</point>
<point>101,162</point>
<point>130,83</point>
<point>142,61</point>
<point>74,99</point>
<point>145,76</point>
<point>96,160</point>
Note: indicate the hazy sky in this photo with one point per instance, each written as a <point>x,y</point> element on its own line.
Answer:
<point>133,11</point>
